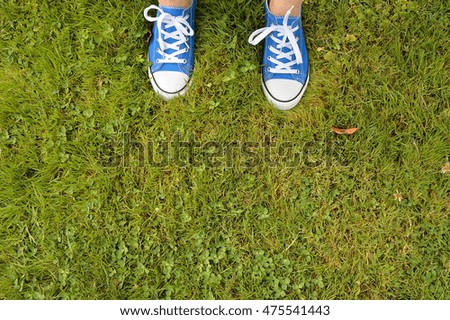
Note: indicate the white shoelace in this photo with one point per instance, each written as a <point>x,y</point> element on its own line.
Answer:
<point>180,34</point>
<point>289,41</point>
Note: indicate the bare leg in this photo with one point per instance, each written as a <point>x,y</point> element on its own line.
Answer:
<point>280,7</point>
<point>175,3</point>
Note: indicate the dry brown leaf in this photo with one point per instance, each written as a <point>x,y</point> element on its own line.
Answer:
<point>446,168</point>
<point>398,196</point>
<point>344,131</point>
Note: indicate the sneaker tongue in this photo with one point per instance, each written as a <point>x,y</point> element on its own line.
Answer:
<point>279,20</point>
<point>174,11</point>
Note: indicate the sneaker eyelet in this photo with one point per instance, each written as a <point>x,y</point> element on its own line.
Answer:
<point>184,61</point>
<point>269,69</point>
<point>297,71</point>
<point>158,61</point>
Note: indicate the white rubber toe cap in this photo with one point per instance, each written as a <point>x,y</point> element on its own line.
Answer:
<point>284,94</point>
<point>169,84</point>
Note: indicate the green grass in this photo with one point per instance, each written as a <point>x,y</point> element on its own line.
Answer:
<point>73,81</point>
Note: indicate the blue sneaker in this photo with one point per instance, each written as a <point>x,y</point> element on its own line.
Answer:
<point>285,69</point>
<point>171,49</point>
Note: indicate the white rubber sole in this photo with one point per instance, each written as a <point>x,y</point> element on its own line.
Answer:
<point>284,105</point>
<point>167,95</point>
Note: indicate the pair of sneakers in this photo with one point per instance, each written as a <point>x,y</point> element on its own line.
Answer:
<point>285,69</point>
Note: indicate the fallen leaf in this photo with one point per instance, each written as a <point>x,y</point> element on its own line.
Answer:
<point>398,196</point>
<point>344,131</point>
<point>446,168</point>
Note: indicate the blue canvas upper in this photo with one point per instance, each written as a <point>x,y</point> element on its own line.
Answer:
<point>303,68</point>
<point>188,56</point>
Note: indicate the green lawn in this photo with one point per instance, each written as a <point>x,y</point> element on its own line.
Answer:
<point>237,216</point>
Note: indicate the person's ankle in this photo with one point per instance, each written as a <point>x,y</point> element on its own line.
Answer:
<point>175,3</point>
<point>280,7</point>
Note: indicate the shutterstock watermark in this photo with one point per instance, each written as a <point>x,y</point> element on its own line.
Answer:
<point>159,153</point>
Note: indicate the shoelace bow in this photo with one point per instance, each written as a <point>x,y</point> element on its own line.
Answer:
<point>288,40</point>
<point>181,33</point>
